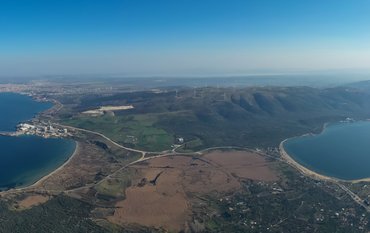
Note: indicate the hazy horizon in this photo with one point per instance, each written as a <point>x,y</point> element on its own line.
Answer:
<point>184,38</point>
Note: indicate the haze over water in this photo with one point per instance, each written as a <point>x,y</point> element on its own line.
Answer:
<point>342,150</point>
<point>25,159</point>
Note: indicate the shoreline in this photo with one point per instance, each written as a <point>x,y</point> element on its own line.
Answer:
<point>54,103</point>
<point>39,182</point>
<point>310,173</point>
<point>42,179</point>
<point>36,116</point>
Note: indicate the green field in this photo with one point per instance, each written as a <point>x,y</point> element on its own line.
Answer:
<point>248,117</point>
<point>137,131</point>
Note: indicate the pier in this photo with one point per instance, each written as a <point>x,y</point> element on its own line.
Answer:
<point>4,133</point>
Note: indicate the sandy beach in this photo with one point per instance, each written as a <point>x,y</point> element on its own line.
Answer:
<point>285,156</point>
<point>38,183</point>
<point>305,171</point>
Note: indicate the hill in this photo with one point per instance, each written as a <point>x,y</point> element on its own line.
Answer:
<point>206,117</point>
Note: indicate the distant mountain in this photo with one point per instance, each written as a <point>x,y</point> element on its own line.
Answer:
<point>362,85</point>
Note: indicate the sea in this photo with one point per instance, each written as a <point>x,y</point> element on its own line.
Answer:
<point>26,159</point>
<point>341,151</point>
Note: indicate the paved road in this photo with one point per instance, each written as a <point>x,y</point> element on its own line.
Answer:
<point>354,196</point>
<point>105,137</point>
<point>172,152</point>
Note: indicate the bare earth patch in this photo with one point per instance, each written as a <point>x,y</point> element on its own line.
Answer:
<point>81,169</point>
<point>160,194</point>
<point>32,200</point>
<point>243,164</point>
<point>101,110</point>
<point>161,205</point>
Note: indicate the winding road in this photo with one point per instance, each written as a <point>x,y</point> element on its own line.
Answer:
<point>173,152</point>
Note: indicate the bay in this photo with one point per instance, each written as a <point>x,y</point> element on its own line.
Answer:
<point>341,151</point>
<point>26,159</point>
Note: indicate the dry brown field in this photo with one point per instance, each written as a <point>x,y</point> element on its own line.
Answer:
<point>161,193</point>
<point>32,200</point>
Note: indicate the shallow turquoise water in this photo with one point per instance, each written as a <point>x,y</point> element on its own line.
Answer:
<point>25,159</point>
<point>342,150</point>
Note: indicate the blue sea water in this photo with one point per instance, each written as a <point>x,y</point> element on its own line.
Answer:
<point>342,150</point>
<point>15,108</point>
<point>26,159</point>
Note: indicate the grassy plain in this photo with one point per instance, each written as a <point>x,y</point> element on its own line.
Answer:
<point>137,131</point>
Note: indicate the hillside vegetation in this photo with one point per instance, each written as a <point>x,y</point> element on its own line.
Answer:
<point>206,117</point>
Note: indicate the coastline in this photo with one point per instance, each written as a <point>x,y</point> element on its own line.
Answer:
<point>35,116</point>
<point>305,171</point>
<point>39,182</point>
<point>310,173</point>
<point>42,179</point>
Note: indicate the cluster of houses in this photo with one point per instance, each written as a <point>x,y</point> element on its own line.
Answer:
<point>43,130</point>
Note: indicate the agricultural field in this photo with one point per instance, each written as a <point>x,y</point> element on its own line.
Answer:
<point>222,191</point>
<point>136,131</point>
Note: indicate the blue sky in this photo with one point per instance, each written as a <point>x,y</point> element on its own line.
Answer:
<point>183,37</point>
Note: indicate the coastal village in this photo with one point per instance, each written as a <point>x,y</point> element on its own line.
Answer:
<point>42,129</point>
